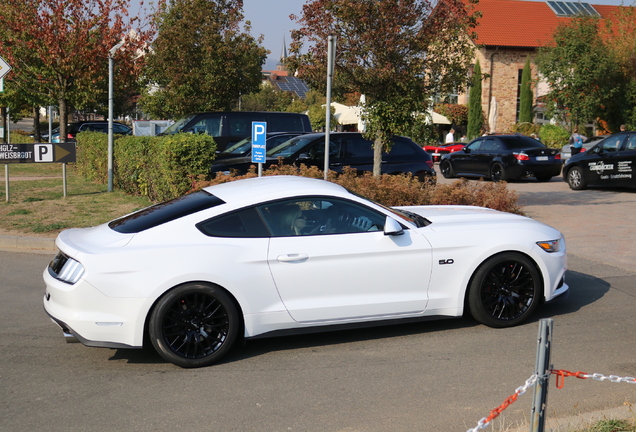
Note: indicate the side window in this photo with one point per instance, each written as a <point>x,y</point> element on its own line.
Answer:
<point>95,127</point>
<point>612,144</point>
<point>317,150</point>
<point>284,123</point>
<point>119,129</point>
<point>242,223</point>
<point>319,216</point>
<point>489,145</point>
<point>401,148</point>
<point>357,147</point>
<point>210,125</point>
<point>475,145</point>
<point>631,142</point>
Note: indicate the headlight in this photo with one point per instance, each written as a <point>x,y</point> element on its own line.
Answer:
<point>550,245</point>
<point>66,269</point>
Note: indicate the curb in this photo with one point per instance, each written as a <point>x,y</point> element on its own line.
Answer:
<point>27,243</point>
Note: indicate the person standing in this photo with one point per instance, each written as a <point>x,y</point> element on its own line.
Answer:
<point>450,136</point>
<point>576,142</point>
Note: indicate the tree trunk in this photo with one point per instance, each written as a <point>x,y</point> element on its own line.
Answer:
<point>36,124</point>
<point>377,156</point>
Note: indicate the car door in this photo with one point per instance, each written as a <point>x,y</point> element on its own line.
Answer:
<point>625,161</point>
<point>601,166</point>
<point>341,266</point>
<point>464,160</point>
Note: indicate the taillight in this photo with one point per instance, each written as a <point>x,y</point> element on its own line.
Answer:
<point>557,156</point>
<point>521,156</point>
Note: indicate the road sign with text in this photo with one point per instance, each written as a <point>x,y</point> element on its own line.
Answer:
<point>259,141</point>
<point>37,153</point>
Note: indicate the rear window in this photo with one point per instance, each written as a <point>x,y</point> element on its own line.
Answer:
<point>165,212</point>
<point>521,142</point>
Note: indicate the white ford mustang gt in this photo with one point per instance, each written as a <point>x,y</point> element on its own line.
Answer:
<point>251,257</point>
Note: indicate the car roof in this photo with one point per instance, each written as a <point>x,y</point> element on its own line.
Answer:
<point>273,187</point>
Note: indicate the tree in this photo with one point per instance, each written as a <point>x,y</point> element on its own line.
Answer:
<point>525,96</point>
<point>579,70</point>
<point>59,48</point>
<point>266,99</point>
<point>475,112</point>
<point>201,61</point>
<point>399,54</point>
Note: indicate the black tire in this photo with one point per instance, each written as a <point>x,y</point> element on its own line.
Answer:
<point>426,178</point>
<point>194,325</point>
<point>498,173</point>
<point>505,290</point>
<point>576,181</point>
<point>544,179</point>
<point>446,169</point>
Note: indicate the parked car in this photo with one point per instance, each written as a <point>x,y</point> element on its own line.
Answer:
<point>437,152</point>
<point>229,127</point>
<point>503,157</point>
<point>93,126</point>
<point>345,149</point>
<point>610,163</point>
<point>588,143</point>
<point>284,253</point>
<point>243,148</point>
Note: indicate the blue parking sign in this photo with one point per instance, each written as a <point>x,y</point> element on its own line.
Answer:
<point>259,140</point>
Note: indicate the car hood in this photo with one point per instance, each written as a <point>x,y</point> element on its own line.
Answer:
<point>449,216</point>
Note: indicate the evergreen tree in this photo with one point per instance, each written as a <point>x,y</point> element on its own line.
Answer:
<point>525,96</point>
<point>475,113</point>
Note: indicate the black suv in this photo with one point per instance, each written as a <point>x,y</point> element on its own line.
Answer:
<point>345,149</point>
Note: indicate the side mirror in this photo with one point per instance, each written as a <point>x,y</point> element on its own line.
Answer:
<point>304,156</point>
<point>392,227</point>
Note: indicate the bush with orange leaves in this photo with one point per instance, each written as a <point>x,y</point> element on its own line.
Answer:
<point>399,190</point>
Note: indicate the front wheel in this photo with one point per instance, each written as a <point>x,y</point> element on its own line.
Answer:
<point>194,325</point>
<point>446,169</point>
<point>505,290</point>
<point>575,179</point>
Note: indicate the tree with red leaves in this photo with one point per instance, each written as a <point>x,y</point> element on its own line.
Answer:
<point>398,53</point>
<point>59,49</point>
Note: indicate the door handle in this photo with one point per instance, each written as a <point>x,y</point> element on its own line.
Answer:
<point>293,258</point>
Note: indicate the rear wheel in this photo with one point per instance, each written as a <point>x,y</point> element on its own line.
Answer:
<point>498,173</point>
<point>505,290</point>
<point>194,325</point>
<point>446,169</point>
<point>575,179</point>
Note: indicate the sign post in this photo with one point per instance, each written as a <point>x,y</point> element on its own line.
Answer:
<point>259,144</point>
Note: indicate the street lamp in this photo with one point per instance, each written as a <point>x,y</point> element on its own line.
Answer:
<point>111,55</point>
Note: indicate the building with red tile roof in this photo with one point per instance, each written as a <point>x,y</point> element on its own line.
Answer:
<point>508,32</point>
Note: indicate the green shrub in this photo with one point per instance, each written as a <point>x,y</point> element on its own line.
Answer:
<point>400,190</point>
<point>554,136</point>
<point>159,168</point>
<point>526,128</point>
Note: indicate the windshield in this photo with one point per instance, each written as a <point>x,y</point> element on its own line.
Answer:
<point>178,126</point>
<point>289,147</point>
<point>240,148</point>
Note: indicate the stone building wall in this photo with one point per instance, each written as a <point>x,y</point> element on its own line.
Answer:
<point>503,65</point>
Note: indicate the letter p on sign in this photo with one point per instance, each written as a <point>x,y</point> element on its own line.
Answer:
<point>43,153</point>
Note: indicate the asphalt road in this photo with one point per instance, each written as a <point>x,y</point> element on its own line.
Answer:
<point>428,376</point>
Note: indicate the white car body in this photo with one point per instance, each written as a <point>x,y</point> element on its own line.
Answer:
<point>290,282</point>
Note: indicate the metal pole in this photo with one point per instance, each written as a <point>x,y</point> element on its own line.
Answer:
<point>542,369</point>
<point>6,180</point>
<point>110,122</point>
<point>64,178</point>
<point>50,123</point>
<point>331,50</point>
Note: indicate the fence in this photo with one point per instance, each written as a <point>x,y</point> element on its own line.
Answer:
<point>540,380</point>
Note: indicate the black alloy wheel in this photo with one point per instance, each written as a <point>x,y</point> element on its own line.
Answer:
<point>575,179</point>
<point>505,290</point>
<point>498,173</point>
<point>194,325</point>
<point>446,169</point>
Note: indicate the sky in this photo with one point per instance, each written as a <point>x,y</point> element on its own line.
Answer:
<point>271,19</point>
